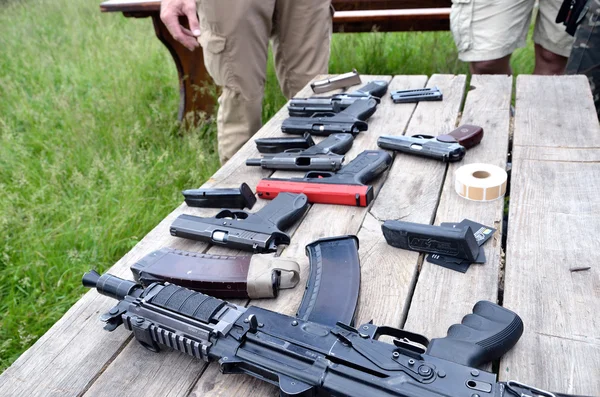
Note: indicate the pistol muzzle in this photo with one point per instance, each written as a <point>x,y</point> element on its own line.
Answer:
<point>253,162</point>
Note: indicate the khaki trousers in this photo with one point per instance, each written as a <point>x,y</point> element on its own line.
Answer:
<point>490,29</point>
<point>235,39</point>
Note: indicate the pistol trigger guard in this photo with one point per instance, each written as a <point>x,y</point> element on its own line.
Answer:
<point>362,125</point>
<point>318,174</point>
<point>323,114</point>
<point>232,214</point>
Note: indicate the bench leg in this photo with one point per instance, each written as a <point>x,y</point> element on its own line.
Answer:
<point>194,80</point>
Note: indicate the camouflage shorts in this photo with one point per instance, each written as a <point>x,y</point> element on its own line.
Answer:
<point>585,55</point>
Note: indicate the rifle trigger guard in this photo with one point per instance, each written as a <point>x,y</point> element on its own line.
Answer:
<point>404,339</point>
<point>514,386</point>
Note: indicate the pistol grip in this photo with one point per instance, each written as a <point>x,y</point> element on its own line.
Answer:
<point>365,167</point>
<point>334,143</point>
<point>361,109</point>
<point>284,210</point>
<point>376,88</point>
<point>481,337</point>
<point>466,135</point>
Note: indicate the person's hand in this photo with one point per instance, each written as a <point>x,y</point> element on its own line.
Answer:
<point>171,10</point>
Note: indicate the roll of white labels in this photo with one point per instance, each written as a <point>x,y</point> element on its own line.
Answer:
<point>480,182</point>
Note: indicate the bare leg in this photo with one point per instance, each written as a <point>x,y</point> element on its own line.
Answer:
<point>493,66</point>
<point>548,63</point>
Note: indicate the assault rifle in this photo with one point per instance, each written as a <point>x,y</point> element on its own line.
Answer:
<point>305,358</point>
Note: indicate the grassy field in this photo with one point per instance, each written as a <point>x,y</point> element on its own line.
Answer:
<point>91,157</point>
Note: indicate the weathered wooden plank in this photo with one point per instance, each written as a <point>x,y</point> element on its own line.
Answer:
<point>557,113</point>
<point>560,154</point>
<point>321,221</point>
<point>71,354</point>
<point>554,226</point>
<point>442,296</point>
<point>410,192</point>
<point>413,185</point>
<point>111,381</point>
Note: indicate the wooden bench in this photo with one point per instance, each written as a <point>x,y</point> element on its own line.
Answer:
<point>350,16</point>
<point>553,228</point>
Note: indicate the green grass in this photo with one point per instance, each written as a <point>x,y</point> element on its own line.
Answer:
<point>91,157</point>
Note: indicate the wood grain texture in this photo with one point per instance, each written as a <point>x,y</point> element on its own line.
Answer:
<point>554,225</point>
<point>389,273</point>
<point>413,184</point>
<point>556,111</point>
<point>342,5</point>
<point>443,296</point>
<point>364,16</point>
<point>348,5</point>
<point>176,374</point>
<point>321,221</point>
<point>72,354</point>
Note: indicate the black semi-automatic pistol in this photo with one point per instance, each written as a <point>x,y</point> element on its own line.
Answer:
<point>258,232</point>
<point>306,107</point>
<point>351,120</point>
<point>417,95</point>
<point>325,156</point>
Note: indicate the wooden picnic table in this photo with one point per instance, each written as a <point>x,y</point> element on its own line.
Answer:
<point>195,93</point>
<point>553,143</point>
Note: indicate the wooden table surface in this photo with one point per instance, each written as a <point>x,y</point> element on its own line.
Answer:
<point>553,227</point>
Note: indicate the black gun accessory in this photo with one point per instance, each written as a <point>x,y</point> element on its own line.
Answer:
<point>417,95</point>
<point>333,284</point>
<point>282,144</point>
<point>324,156</point>
<point>241,197</point>
<point>351,120</point>
<point>307,107</point>
<point>341,81</point>
<point>332,287</point>
<point>259,232</point>
<point>451,245</point>
<point>305,358</point>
